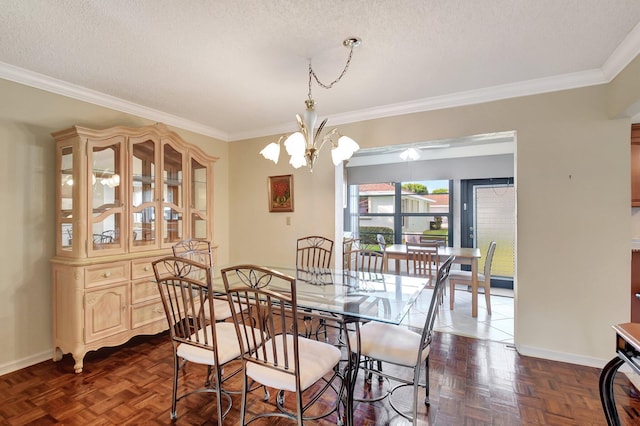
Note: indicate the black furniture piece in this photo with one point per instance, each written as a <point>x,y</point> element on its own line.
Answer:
<point>628,351</point>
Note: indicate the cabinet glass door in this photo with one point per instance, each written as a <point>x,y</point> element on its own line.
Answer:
<point>199,201</point>
<point>66,198</point>
<point>172,206</point>
<point>105,196</point>
<point>143,194</point>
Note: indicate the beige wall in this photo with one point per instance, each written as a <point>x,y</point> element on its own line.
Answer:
<point>27,218</point>
<point>573,220</point>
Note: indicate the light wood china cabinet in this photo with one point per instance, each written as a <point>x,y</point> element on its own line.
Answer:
<point>124,196</point>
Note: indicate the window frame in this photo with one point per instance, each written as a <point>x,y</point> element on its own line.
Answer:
<point>399,217</point>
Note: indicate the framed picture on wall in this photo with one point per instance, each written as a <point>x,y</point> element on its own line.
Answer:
<point>281,193</point>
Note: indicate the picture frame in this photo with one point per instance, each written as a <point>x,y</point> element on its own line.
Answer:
<point>280,192</point>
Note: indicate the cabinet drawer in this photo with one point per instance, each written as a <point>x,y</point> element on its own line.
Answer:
<point>142,268</point>
<point>106,274</point>
<point>144,290</point>
<point>147,314</point>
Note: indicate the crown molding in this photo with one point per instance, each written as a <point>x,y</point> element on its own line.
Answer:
<point>619,59</point>
<point>623,55</point>
<point>41,81</point>
<point>471,97</point>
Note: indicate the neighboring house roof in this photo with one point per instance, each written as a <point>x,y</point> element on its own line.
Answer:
<point>440,199</point>
<point>376,187</point>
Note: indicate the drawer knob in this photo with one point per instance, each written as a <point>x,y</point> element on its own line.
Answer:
<point>107,274</point>
<point>146,268</point>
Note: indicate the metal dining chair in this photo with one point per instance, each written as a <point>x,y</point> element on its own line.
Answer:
<point>404,349</point>
<point>363,260</point>
<point>195,249</point>
<point>277,356</point>
<point>314,252</point>
<point>184,287</point>
<point>349,244</point>
<point>368,264</point>
<point>199,250</point>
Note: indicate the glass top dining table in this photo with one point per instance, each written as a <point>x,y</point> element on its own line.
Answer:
<point>358,295</point>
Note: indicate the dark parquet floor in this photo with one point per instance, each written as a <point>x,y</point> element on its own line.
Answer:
<point>473,382</point>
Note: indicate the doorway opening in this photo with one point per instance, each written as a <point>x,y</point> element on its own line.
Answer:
<point>464,162</point>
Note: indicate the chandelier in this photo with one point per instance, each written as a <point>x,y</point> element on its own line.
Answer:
<point>304,145</point>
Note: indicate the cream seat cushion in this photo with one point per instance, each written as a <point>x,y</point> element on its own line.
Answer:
<point>222,309</point>
<point>228,346</point>
<point>316,360</point>
<point>391,343</point>
<point>464,275</point>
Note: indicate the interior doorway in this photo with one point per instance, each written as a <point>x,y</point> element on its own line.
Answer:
<point>478,157</point>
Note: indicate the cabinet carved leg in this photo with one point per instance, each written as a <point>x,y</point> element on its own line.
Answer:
<point>78,358</point>
<point>57,354</point>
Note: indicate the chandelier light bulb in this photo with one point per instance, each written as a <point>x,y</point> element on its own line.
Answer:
<point>295,144</point>
<point>298,161</point>
<point>271,152</point>
<point>349,145</point>
<point>410,154</point>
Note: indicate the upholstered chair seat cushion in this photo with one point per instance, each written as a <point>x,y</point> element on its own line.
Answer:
<point>316,359</point>
<point>228,346</point>
<point>464,275</point>
<point>391,343</point>
<point>221,309</point>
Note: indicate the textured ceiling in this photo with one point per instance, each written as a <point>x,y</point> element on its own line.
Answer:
<point>234,69</point>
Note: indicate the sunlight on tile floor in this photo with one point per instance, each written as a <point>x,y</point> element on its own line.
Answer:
<point>497,327</point>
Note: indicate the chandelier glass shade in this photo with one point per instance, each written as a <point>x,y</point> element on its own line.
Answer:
<point>304,145</point>
<point>410,154</point>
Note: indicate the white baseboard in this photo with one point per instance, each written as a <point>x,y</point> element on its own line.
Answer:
<point>19,364</point>
<point>562,356</point>
<point>522,350</point>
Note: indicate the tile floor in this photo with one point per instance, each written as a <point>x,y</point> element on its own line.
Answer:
<point>497,327</point>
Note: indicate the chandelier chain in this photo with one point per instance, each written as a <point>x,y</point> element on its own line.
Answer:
<point>304,145</point>
<point>312,73</point>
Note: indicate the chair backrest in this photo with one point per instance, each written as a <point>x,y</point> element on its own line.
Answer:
<point>438,290</point>
<point>270,298</point>
<point>488,260</point>
<point>348,245</point>
<point>184,287</point>
<point>314,252</point>
<point>422,259</point>
<point>441,240</point>
<point>381,242</point>
<point>194,249</point>
<point>365,261</point>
